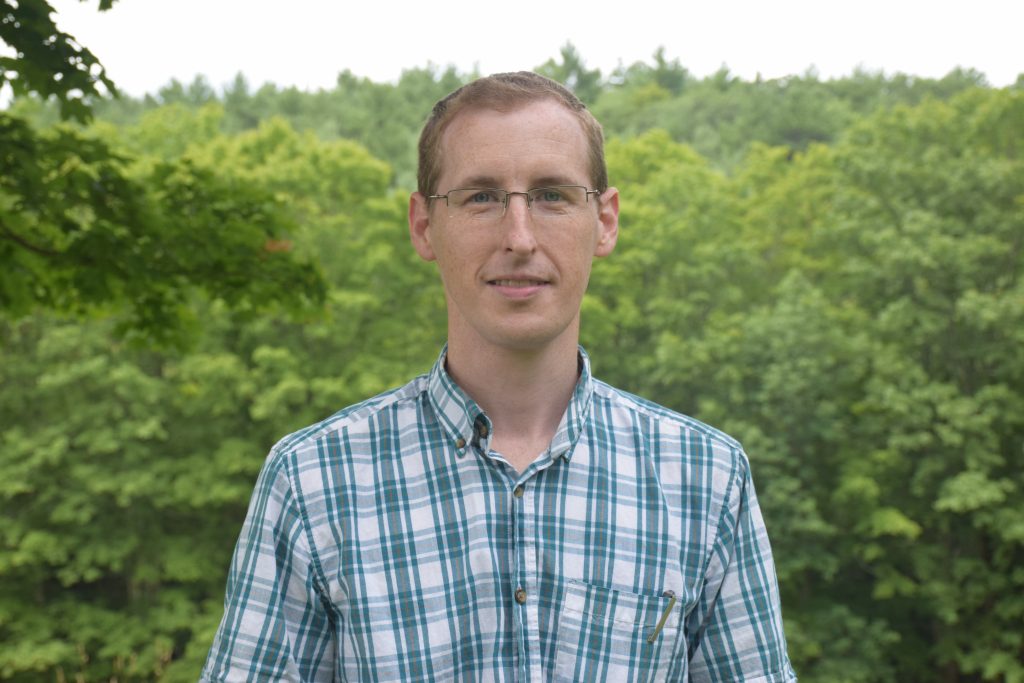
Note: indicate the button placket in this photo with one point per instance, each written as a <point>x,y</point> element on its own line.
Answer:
<point>521,545</point>
<point>522,582</point>
<point>524,579</point>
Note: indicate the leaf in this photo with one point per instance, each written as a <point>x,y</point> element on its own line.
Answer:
<point>972,490</point>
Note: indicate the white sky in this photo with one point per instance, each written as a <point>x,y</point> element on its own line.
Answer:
<point>145,43</point>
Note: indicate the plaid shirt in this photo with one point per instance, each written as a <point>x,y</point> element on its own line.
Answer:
<point>389,543</point>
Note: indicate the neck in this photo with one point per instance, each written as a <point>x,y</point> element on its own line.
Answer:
<point>523,392</point>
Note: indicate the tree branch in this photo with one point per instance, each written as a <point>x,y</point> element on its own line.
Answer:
<point>21,241</point>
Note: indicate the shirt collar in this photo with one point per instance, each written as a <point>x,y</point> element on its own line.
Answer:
<point>466,423</point>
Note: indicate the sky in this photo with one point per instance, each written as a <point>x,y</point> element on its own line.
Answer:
<point>306,43</point>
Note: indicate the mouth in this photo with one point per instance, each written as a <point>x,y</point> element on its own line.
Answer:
<point>517,283</point>
<point>522,289</point>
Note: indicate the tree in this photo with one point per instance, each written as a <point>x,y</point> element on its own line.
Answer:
<point>119,515</point>
<point>80,230</point>
<point>573,74</point>
<point>48,61</point>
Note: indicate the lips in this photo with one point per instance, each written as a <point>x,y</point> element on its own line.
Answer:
<point>518,287</point>
<point>517,282</point>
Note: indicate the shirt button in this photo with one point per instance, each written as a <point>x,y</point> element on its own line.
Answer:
<point>521,596</point>
<point>460,443</point>
<point>482,430</point>
<point>518,492</point>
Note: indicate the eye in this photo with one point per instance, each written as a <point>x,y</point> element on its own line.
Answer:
<point>482,197</point>
<point>548,194</point>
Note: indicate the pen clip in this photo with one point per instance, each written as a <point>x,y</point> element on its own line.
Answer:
<point>664,616</point>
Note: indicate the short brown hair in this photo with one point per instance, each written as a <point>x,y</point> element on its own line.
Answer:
<point>503,92</point>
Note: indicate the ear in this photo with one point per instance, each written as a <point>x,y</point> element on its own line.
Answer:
<point>608,222</point>
<point>419,226</point>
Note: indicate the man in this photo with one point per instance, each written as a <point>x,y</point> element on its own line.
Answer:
<point>506,517</point>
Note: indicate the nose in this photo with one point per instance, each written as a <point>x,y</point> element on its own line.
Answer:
<point>510,195</point>
<point>517,225</point>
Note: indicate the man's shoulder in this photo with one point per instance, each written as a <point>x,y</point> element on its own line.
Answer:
<point>355,417</point>
<point>662,417</point>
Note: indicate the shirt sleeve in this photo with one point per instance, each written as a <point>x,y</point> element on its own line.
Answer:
<point>276,624</point>
<point>735,632</point>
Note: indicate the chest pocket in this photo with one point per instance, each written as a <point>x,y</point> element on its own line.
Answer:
<point>603,635</point>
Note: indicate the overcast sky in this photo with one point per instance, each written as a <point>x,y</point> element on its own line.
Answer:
<point>145,43</point>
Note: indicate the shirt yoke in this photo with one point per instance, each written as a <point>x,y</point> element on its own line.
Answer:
<point>364,411</point>
<point>352,415</point>
<point>719,441</point>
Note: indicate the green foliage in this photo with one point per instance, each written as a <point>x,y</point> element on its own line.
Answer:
<point>48,61</point>
<point>573,73</point>
<point>721,116</point>
<point>384,118</point>
<point>107,549</point>
<point>80,230</point>
<point>86,229</point>
<point>119,560</point>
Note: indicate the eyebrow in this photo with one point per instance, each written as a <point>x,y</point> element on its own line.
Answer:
<point>547,181</point>
<point>542,181</point>
<point>480,181</point>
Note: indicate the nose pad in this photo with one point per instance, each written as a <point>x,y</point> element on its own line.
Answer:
<point>508,201</point>
<point>518,230</point>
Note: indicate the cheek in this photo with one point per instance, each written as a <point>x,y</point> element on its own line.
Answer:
<point>458,262</point>
<point>576,259</point>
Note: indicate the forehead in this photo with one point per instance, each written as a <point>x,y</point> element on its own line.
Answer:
<point>538,140</point>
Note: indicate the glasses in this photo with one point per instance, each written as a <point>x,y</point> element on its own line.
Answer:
<point>558,202</point>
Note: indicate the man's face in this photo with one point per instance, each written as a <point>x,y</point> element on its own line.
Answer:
<point>514,283</point>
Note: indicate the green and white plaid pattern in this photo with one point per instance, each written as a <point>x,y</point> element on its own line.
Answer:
<point>388,543</point>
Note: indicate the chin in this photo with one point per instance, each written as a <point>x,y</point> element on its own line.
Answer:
<point>526,337</point>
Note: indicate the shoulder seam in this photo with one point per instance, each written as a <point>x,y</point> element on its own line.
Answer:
<point>658,412</point>
<point>353,413</point>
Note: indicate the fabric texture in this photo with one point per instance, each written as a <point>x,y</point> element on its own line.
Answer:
<point>389,543</point>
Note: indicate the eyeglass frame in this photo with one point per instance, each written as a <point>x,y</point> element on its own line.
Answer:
<point>509,193</point>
